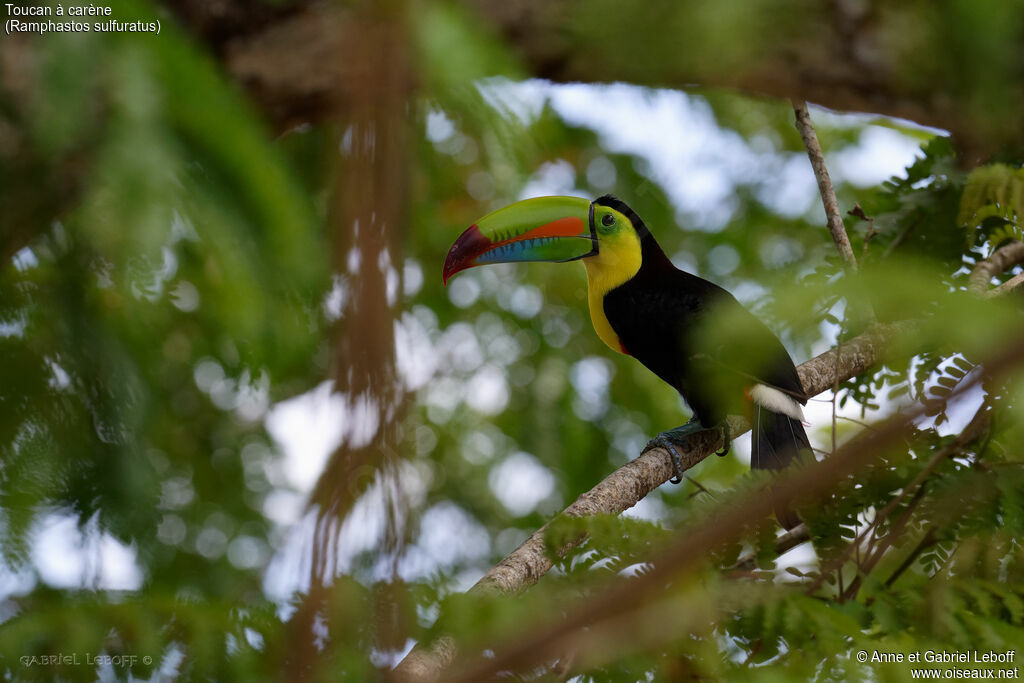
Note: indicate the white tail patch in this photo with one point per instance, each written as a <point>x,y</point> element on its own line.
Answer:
<point>777,401</point>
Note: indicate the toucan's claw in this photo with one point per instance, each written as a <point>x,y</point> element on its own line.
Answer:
<point>669,439</point>
<point>662,441</point>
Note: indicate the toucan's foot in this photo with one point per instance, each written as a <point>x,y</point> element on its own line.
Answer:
<point>680,436</point>
<point>662,441</point>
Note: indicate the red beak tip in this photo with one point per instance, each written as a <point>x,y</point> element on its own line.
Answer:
<point>460,257</point>
<point>448,271</point>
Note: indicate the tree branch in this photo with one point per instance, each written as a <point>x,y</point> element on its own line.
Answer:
<point>828,193</point>
<point>1001,260</point>
<point>1013,283</point>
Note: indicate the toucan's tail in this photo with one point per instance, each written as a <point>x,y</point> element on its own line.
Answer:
<point>777,441</point>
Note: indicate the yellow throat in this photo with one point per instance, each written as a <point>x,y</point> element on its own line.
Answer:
<point>617,261</point>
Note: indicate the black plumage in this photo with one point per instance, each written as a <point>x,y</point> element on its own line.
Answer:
<point>666,319</point>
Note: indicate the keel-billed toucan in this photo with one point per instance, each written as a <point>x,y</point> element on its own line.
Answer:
<point>644,306</point>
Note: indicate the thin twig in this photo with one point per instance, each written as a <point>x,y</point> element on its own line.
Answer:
<point>835,408</point>
<point>828,193</point>
<point>835,433</point>
<point>926,542</point>
<point>884,544</point>
<point>858,212</point>
<point>700,487</point>
<point>862,423</point>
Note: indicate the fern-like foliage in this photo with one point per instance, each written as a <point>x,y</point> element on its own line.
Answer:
<point>993,199</point>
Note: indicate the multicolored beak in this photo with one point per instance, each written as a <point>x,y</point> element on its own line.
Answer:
<point>543,229</point>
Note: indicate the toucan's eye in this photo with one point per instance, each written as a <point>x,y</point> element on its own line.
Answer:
<point>607,220</point>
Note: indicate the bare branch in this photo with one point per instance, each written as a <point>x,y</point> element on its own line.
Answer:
<point>1001,260</point>
<point>828,193</point>
<point>1013,283</point>
<point>926,542</point>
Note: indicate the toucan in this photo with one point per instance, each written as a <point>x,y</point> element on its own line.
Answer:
<point>643,306</point>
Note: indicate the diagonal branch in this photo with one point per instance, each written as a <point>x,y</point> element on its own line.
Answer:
<point>828,193</point>
<point>833,217</point>
<point>1013,283</point>
<point>1001,260</point>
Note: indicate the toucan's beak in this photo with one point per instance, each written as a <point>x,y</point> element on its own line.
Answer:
<point>542,229</point>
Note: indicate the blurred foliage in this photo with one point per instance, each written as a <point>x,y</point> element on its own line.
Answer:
<point>994,195</point>
<point>168,281</point>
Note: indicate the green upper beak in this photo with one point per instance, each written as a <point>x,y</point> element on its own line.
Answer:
<point>542,229</point>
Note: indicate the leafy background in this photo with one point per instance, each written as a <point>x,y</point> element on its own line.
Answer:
<point>186,309</point>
